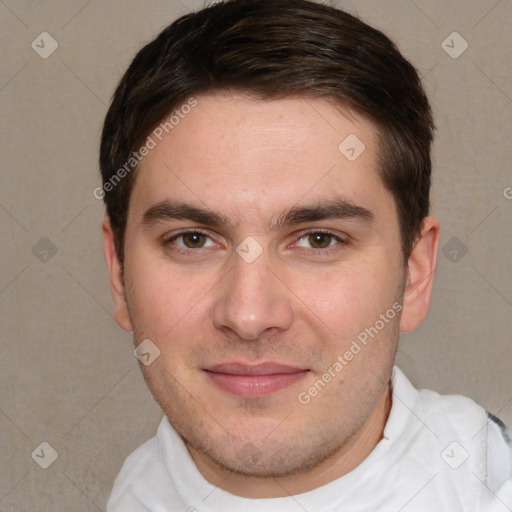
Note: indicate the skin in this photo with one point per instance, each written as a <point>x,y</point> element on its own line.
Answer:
<point>300,303</point>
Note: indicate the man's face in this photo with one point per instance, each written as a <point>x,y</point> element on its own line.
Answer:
<point>270,253</point>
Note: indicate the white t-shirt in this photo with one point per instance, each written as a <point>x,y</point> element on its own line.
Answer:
<point>438,454</point>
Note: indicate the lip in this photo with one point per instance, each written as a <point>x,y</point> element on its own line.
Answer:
<point>249,380</point>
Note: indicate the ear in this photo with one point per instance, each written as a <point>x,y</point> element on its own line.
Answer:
<point>121,314</point>
<point>420,275</point>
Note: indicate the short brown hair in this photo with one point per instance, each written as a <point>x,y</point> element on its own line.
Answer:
<point>272,49</point>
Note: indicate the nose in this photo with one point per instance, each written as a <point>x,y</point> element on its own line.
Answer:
<point>253,301</point>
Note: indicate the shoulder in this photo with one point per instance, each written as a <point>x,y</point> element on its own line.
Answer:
<point>144,479</point>
<point>132,471</point>
<point>477,434</point>
<point>499,453</point>
<point>446,412</point>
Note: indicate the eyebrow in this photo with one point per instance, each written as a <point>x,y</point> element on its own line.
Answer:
<point>331,209</point>
<point>338,208</point>
<point>167,210</point>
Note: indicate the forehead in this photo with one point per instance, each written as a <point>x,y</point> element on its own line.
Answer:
<point>249,157</point>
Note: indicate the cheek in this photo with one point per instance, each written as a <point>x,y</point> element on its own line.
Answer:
<point>167,304</point>
<point>349,298</point>
<point>157,299</point>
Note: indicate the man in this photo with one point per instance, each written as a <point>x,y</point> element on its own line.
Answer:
<point>266,173</point>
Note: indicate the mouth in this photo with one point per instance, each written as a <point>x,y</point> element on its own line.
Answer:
<point>253,381</point>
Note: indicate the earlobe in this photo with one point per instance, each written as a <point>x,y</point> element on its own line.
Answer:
<point>420,275</point>
<point>121,314</point>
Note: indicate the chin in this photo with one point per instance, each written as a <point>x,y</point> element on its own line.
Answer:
<point>264,459</point>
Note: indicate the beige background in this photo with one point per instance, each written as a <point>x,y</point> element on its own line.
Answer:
<point>67,372</point>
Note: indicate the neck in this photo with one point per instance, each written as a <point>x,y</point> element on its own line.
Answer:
<point>352,453</point>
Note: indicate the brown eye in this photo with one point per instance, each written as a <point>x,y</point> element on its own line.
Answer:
<point>193,240</point>
<point>189,242</point>
<point>320,240</point>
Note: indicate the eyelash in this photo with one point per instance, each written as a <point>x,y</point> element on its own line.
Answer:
<point>327,250</point>
<point>179,250</point>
